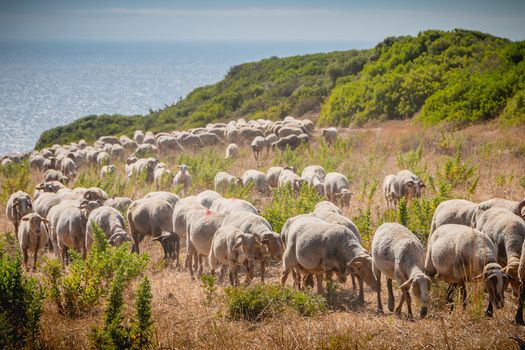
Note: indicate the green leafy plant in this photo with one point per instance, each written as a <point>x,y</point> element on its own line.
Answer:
<point>21,301</point>
<point>76,291</point>
<point>285,204</point>
<point>258,302</point>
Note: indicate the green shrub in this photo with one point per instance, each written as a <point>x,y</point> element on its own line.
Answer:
<point>15,177</point>
<point>286,204</point>
<point>262,301</point>
<point>21,300</point>
<point>76,291</point>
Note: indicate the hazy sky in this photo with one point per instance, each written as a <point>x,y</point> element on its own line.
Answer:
<point>349,20</point>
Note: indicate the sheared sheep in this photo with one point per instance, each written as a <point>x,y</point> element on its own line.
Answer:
<point>18,205</point>
<point>183,178</point>
<point>32,236</point>
<point>397,253</point>
<point>460,254</point>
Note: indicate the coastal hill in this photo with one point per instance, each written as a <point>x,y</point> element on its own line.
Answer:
<point>460,77</point>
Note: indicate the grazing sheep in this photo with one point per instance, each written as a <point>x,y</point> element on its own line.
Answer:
<point>454,211</point>
<point>142,167</point>
<point>272,176</point>
<point>336,188</point>
<point>153,217</point>
<point>107,170</point>
<point>231,151</point>
<point>207,197</point>
<point>180,214</point>
<point>111,221</point>
<point>232,205</point>
<point>258,145</point>
<point>326,206</point>
<point>513,206</point>
<point>318,247</point>
<point>233,248</point>
<point>507,231</point>
<point>329,135</point>
<point>183,178</point>
<point>460,254</point>
<point>397,253</point>
<point>257,179</point>
<point>223,181</point>
<point>53,175</point>
<point>313,171</point>
<point>68,167</point>
<point>258,226</point>
<point>70,230</point>
<point>103,158</point>
<point>314,181</point>
<point>291,141</point>
<point>270,139</point>
<point>119,203</point>
<point>169,145</point>
<point>202,224</point>
<point>18,205</point>
<point>138,136</point>
<point>162,175</point>
<point>404,184</point>
<point>287,178</point>
<point>32,236</point>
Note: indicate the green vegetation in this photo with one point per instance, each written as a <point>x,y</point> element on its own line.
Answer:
<point>285,204</point>
<point>262,301</point>
<point>76,290</point>
<point>21,300</point>
<point>459,76</point>
<point>115,334</point>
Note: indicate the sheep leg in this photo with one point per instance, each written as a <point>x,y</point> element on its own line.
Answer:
<point>319,278</point>
<point>284,276</point>
<point>263,264</point>
<point>35,256</point>
<point>199,265</point>
<point>391,300</point>
<point>309,281</point>
<point>449,298</point>
<point>464,295</point>
<point>361,297</point>
<point>490,309</point>
<point>408,299</point>
<point>401,302</point>
<point>519,311</point>
<point>353,281</point>
<point>379,304</point>
<point>26,257</point>
<point>190,263</point>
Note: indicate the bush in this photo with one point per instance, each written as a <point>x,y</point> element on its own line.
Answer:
<point>286,204</point>
<point>78,290</point>
<point>16,177</point>
<point>266,300</point>
<point>117,335</point>
<point>21,300</point>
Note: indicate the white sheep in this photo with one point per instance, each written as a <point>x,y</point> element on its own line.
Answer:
<point>397,253</point>
<point>231,151</point>
<point>233,248</point>
<point>336,188</point>
<point>111,222</point>
<point>107,170</point>
<point>32,236</point>
<point>18,205</point>
<point>257,179</point>
<point>258,145</point>
<point>459,254</point>
<point>183,178</point>
<point>223,181</point>
<point>454,211</point>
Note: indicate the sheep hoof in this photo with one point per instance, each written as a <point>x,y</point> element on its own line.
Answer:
<point>519,321</point>
<point>489,314</point>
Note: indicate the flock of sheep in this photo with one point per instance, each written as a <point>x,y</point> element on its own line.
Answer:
<point>468,242</point>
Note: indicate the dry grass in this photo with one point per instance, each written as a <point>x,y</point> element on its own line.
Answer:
<point>183,320</point>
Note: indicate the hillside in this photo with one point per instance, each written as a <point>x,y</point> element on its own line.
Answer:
<point>457,76</point>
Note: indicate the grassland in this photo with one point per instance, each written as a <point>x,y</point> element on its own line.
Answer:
<point>477,163</point>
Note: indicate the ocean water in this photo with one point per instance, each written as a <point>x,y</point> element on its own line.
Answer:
<point>47,84</point>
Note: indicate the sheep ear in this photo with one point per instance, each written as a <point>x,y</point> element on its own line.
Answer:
<point>410,183</point>
<point>511,278</point>
<point>238,243</point>
<point>357,262</point>
<point>45,221</point>
<point>25,218</point>
<point>406,286</point>
<point>157,239</point>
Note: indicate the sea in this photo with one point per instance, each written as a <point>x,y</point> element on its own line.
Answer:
<point>44,84</point>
